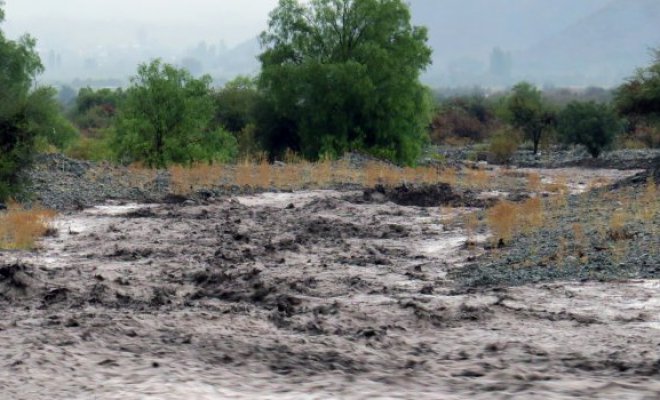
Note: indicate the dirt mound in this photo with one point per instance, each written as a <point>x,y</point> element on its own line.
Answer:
<point>426,196</point>
<point>412,195</point>
<point>640,179</point>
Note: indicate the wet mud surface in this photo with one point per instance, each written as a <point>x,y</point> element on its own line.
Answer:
<point>304,295</point>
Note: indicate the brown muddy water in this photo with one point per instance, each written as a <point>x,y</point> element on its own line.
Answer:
<point>305,295</point>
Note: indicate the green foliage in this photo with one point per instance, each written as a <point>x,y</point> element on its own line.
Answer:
<point>527,111</point>
<point>640,96</point>
<point>593,125</point>
<point>166,118</point>
<point>19,65</point>
<point>234,104</point>
<point>96,148</point>
<point>638,100</point>
<point>96,110</point>
<point>46,121</point>
<point>339,75</point>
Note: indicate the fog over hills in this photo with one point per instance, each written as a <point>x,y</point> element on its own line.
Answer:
<point>476,42</point>
<point>558,42</point>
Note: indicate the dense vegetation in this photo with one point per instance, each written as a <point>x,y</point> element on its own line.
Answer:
<point>337,76</point>
<point>30,117</point>
<point>166,118</point>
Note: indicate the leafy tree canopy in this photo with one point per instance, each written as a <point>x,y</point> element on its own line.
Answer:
<point>639,97</point>
<point>591,124</point>
<point>19,65</point>
<point>234,104</point>
<point>344,74</point>
<point>527,111</point>
<point>46,121</point>
<point>165,119</point>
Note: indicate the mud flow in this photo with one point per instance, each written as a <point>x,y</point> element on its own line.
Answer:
<point>319,295</point>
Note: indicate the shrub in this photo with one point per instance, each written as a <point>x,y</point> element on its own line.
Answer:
<point>590,124</point>
<point>90,149</point>
<point>649,135</point>
<point>503,145</point>
<point>463,119</point>
<point>20,227</point>
<point>502,220</point>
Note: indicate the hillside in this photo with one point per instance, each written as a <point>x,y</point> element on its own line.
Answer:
<point>602,48</point>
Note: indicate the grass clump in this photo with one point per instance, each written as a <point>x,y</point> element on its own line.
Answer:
<point>502,219</point>
<point>20,228</point>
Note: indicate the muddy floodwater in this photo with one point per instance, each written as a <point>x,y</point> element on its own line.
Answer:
<point>309,295</point>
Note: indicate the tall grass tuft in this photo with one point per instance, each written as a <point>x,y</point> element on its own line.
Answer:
<point>502,219</point>
<point>20,228</point>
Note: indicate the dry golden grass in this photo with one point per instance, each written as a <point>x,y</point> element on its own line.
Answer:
<point>321,173</point>
<point>503,219</point>
<point>597,183</point>
<point>530,214</point>
<point>534,182</point>
<point>297,174</point>
<point>189,179</point>
<point>506,219</point>
<point>477,178</point>
<point>617,228</point>
<point>391,176</point>
<point>579,238</point>
<point>559,185</point>
<point>263,177</point>
<point>649,204</point>
<point>429,175</point>
<point>448,175</point>
<point>20,228</point>
<point>373,174</point>
<point>140,175</point>
<point>471,225</point>
<point>560,256</point>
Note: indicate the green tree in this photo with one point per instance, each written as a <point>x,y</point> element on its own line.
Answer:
<point>234,104</point>
<point>528,112</point>
<point>590,124</point>
<point>46,121</point>
<point>344,74</point>
<point>166,118</point>
<point>19,65</point>
<point>640,95</point>
<point>638,99</point>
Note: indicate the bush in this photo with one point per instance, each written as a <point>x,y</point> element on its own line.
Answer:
<point>461,120</point>
<point>590,124</point>
<point>166,118</point>
<point>649,135</point>
<point>504,144</point>
<point>19,64</point>
<point>46,121</point>
<point>93,149</point>
<point>20,228</point>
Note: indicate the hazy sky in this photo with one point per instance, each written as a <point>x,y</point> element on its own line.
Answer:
<point>576,42</point>
<point>233,21</point>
